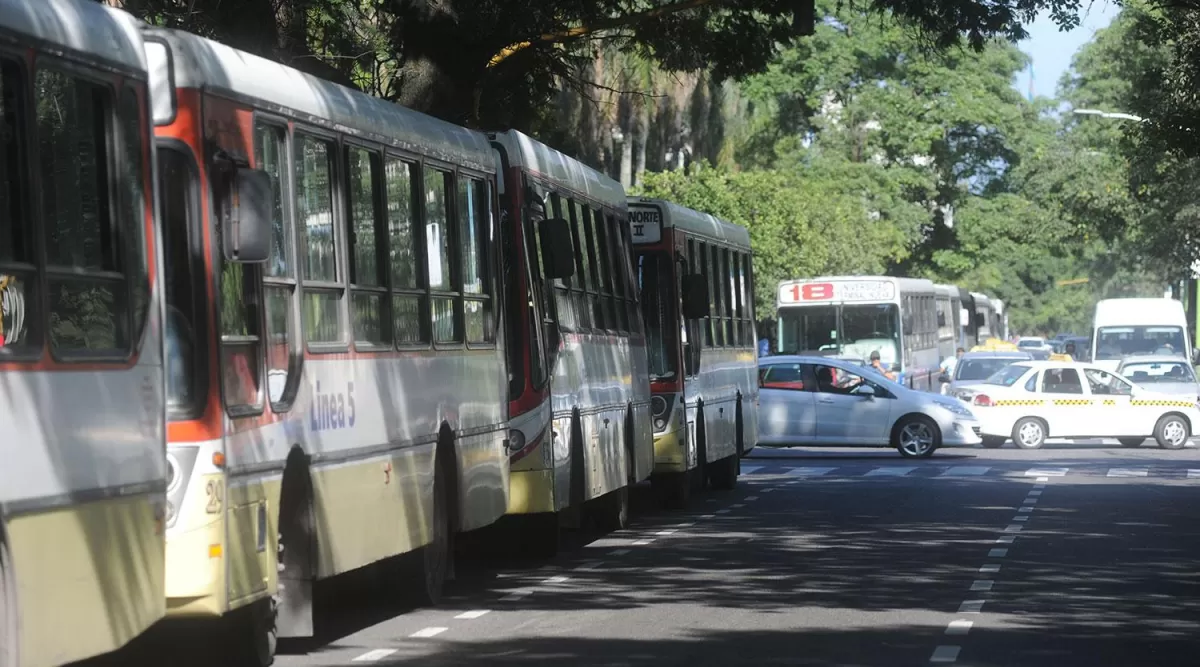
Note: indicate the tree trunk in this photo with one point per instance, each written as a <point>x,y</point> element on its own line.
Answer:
<point>640,136</point>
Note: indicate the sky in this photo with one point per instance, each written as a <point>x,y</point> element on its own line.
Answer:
<point>1052,49</point>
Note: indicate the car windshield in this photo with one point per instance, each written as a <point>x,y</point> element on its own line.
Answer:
<point>662,325</point>
<point>980,369</point>
<point>1030,342</point>
<point>1142,372</point>
<point>1119,342</point>
<point>1008,376</point>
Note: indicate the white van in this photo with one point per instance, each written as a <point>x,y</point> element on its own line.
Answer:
<point>1138,326</point>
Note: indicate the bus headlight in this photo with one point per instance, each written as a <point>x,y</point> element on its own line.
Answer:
<point>180,462</point>
<point>516,441</point>
<point>660,406</point>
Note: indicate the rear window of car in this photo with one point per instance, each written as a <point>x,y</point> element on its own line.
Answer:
<point>1008,376</point>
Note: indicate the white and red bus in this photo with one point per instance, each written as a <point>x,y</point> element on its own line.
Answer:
<point>339,394</point>
<point>855,316</point>
<point>579,397</point>
<point>82,410</point>
<point>695,274</point>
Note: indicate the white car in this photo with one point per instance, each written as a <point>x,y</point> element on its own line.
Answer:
<point>1031,401</point>
<point>805,401</point>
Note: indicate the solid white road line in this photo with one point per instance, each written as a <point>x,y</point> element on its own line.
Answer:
<point>1193,473</point>
<point>428,632</point>
<point>890,471</point>
<point>982,585</point>
<point>809,471</point>
<point>959,627</point>
<point>469,615</point>
<point>989,568</point>
<point>965,471</point>
<point>944,654</point>
<point>750,470</point>
<point>1047,472</point>
<point>971,607</point>
<point>997,553</point>
<point>373,655</point>
<point>1127,472</point>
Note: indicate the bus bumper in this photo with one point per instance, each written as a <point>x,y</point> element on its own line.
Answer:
<point>670,455</point>
<point>531,492</point>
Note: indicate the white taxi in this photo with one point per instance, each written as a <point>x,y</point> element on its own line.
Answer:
<point>1031,401</point>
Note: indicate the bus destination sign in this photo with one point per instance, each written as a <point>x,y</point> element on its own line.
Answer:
<point>840,290</point>
<point>646,224</point>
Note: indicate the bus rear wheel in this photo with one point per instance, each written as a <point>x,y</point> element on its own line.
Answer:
<point>611,511</point>
<point>723,474</point>
<point>253,635</point>
<point>433,562</point>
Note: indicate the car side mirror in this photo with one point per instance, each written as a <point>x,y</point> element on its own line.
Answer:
<point>865,391</point>
<point>246,216</point>
<point>695,296</point>
<point>558,251</point>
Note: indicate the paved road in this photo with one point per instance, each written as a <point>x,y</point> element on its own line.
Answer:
<point>1060,557</point>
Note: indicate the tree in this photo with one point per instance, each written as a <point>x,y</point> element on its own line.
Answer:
<point>497,63</point>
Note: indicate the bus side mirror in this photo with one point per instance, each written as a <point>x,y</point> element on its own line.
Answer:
<point>695,296</point>
<point>248,211</point>
<point>558,252</point>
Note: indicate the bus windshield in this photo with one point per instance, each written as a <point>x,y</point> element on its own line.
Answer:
<point>658,312</point>
<point>852,330</point>
<point>1118,342</point>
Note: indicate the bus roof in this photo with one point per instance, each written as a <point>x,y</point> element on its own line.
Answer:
<point>87,29</point>
<point>981,299</point>
<point>696,222</point>
<point>532,155</point>
<point>203,63</point>
<point>1134,311</point>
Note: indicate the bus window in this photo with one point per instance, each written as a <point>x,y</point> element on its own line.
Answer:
<point>314,215</point>
<point>179,209</point>
<point>408,321</point>
<point>656,279</point>
<point>16,230</point>
<point>369,325</point>
<point>871,328</point>
<point>279,274</point>
<point>437,248</point>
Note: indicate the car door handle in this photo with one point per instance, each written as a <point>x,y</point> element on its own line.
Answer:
<point>825,400</point>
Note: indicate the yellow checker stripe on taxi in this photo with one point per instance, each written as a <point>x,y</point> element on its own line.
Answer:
<point>1164,404</point>
<point>1073,401</point>
<point>1014,401</point>
<point>1109,401</point>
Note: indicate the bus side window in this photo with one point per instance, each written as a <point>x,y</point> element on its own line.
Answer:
<point>17,273</point>
<point>180,221</point>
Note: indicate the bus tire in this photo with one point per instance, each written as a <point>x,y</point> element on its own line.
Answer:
<point>8,607</point>
<point>673,489</point>
<point>291,609</point>
<point>723,474</point>
<point>611,511</point>
<point>432,563</point>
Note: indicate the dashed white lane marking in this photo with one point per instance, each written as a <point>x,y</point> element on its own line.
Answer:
<point>1013,528</point>
<point>997,553</point>
<point>469,615</point>
<point>619,552</point>
<point>959,627</point>
<point>750,470</point>
<point>1035,493</point>
<point>971,607</point>
<point>944,654</point>
<point>1030,501</point>
<point>737,506</point>
<point>982,585</point>
<point>710,500</point>
<point>667,532</point>
<point>965,471</point>
<point>723,511</point>
<point>516,595</point>
<point>555,580</point>
<point>1025,509</point>
<point>428,632</point>
<point>1021,517</point>
<point>1047,472</point>
<point>708,516</point>
<point>748,498</point>
<point>641,543</point>
<point>890,471</point>
<point>808,471</point>
<point>1193,473</point>
<point>1042,479</point>
<point>989,568</point>
<point>689,524</point>
<point>374,655</point>
<point>1128,472</point>
<point>1007,539</point>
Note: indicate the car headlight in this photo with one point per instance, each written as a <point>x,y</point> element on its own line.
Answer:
<point>955,407</point>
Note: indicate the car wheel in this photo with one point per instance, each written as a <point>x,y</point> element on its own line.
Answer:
<point>993,441</point>
<point>916,437</point>
<point>1029,433</point>
<point>1131,442</point>
<point>1171,432</point>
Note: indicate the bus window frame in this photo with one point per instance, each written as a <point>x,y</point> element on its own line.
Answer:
<point>28,184</point>
<point>377,158</point>
<point>340,283</point>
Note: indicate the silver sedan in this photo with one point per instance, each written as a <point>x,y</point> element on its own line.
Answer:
<point>820,401</point>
